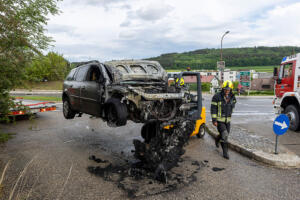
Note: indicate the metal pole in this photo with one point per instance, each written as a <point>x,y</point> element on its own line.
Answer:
<point>222,44</point>
<point>276,145</point>
<point>222,74</point>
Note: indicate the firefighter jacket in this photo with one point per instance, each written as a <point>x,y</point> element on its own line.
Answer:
<point>221,109</point>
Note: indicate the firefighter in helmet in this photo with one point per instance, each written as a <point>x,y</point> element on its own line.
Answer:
<point>222,106</point>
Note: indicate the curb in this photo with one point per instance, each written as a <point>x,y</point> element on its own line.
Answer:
<point>283,160</point>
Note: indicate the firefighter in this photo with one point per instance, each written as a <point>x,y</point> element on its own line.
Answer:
<point>222,106</point>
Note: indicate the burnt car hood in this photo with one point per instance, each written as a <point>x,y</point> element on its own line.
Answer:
<point>136,70</point>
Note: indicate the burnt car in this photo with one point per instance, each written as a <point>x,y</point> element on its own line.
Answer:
<point>138,90</point>
<point>118,91</point>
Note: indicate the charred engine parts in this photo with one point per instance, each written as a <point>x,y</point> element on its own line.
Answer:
<point>163,145</point>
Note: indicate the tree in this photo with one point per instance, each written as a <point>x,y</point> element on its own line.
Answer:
<point>21,37</point>
<point>51,67</point>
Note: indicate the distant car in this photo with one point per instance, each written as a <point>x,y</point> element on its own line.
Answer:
<point>120,90</point>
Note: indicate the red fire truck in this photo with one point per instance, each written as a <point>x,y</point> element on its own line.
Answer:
<point>287,89</point>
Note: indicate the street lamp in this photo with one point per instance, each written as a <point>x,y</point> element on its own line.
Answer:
<point>222,69</point>
<point>222,44</point>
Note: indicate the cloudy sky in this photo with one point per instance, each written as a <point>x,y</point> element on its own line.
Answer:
<point>125,29</point>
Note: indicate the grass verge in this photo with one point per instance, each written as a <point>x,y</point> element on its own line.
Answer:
<point>50,85</point>
<point>41,98</point>
<point>4,137</point>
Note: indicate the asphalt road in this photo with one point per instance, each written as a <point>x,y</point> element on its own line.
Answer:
<point>257,116</point>
<point>49,159</point>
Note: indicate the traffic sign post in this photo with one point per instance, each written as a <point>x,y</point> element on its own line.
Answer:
<point>280,126</point>
<point>245,79</point>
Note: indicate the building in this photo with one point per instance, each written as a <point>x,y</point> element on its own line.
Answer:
<point>230,75</point>
<point>263,75</point>
<point>204,79</point>
<point>262,84</point>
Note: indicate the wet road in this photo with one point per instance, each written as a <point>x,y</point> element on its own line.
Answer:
<point>49,159</point>
<point>257,116</point>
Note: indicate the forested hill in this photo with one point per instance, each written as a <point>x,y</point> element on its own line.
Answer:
<point>207,58</point>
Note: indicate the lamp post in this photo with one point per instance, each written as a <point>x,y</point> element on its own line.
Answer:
<point>222,44</point>
<point>222,69</point>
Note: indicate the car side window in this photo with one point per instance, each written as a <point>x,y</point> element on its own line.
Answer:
<point>70,76</point>
<point>94,74</point>
<point>81,74</point>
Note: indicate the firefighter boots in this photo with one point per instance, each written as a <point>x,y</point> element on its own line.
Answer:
<point>225,149</point>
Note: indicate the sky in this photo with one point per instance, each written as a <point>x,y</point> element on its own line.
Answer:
<point>134,29</point>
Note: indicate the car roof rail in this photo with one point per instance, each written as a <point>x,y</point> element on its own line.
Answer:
<point>87,62</point>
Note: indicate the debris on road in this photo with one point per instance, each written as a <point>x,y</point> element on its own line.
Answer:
<point>138,181</point>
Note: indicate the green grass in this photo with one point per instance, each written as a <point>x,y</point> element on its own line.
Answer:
<point>256,68</point>
<point>50,85</point>
<point>175,70</point>
<point>4,137</point>
<point>41,98</point>
<point>257,93</point>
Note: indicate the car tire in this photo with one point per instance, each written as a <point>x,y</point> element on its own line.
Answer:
<point>116,113</point>
<point>201,131</point>
<point>67,110</point>
<point>292,112</point>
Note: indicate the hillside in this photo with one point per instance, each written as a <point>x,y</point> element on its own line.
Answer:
<point>234,57</point>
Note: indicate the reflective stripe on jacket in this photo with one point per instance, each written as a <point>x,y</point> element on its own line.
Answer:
<point>220,109</point>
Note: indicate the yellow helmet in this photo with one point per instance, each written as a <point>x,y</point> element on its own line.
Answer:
<point>181,81</point>
<point>227,84</point>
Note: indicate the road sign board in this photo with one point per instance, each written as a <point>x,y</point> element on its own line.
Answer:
<point>245,78</point>
<point>281,124</point>
<point>221,64</point>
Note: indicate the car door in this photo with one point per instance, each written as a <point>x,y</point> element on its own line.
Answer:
<point>77,87</point>
<point>91,91</point>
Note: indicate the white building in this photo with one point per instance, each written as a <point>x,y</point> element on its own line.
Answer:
<point>230,75</point>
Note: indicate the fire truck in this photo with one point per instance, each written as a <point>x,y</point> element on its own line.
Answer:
<point>287,89</point>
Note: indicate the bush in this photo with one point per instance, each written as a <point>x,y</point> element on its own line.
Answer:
<point>205,87</point>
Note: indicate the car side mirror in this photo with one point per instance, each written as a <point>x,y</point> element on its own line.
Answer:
<point>275,73</point>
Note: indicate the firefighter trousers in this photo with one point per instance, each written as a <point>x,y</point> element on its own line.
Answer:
<point>223,129</point>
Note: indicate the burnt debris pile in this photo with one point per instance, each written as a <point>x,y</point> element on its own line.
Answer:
<point>138,181</point>
<point>162,146</point>
<point>160,167</point>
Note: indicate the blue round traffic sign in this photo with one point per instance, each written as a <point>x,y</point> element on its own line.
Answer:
<point>281,124</point>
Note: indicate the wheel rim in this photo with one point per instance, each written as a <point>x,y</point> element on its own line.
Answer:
<point>202,131</point>
<point>292,117</point>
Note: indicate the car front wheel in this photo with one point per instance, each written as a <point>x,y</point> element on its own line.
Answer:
<point>67,110</point>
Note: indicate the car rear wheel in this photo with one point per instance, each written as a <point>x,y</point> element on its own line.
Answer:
<point>292,112</point>
<point>201,132</point>
<point>67,110</point>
